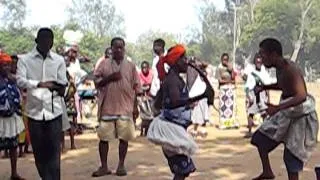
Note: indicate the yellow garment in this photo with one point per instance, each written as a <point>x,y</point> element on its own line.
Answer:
<point>22,137</point>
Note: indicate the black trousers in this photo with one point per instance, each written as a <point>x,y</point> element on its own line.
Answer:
<point>45,140</point>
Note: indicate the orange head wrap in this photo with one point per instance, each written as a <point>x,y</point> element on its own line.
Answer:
<point>171,58</point>
<point>5,58</point>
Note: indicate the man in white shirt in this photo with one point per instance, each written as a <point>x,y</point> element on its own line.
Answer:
<point>158,49</point>
<point>43,74</point>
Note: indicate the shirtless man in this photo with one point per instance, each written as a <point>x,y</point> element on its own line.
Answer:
<point>284,125</point>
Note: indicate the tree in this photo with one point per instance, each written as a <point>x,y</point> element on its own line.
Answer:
<point>142,50</point>
<point>97,16</point>
<point>93,47</point>
<point>216,32</point>
<point>59,42</point>
<point>14,13</point>
<point>17,41</point>
<point>304,6</point>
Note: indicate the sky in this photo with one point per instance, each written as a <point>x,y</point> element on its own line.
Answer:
<point>173,16</point>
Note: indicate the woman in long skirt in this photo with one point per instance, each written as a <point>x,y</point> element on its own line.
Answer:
<point>226,77</point>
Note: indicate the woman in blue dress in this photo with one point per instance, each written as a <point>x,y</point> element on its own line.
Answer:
<point>11,124</point>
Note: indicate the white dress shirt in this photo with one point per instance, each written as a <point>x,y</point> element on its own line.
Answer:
<point>75,71</point>
<point>32,68</point>
<point>155,84</point>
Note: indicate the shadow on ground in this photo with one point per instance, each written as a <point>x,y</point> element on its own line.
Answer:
<point>224,155</point>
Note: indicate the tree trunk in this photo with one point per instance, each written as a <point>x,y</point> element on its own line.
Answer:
<point>298,43</point>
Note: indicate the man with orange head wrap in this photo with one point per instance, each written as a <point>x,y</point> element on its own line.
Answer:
<point>11,124</point>
<point>169,129</point>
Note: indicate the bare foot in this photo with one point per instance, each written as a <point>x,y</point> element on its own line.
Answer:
<point>203,133</point>
<point>16,177</point>
<point>63,151</point>
<point>28,151</point>
<point>101,172</point>
<point>21,155</point>
<point>248,135</point>
<point>194,133</point>
<point>264,176</point>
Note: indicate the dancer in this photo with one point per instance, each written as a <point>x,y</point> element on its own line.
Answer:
<point>169,129</point>
<point>256,103</point>
<point>293,122</point>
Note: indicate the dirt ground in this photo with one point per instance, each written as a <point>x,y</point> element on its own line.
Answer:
<point>223,155</point>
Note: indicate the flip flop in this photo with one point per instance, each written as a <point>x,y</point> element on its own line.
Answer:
<point>121,172</point>
<point>101,172</point>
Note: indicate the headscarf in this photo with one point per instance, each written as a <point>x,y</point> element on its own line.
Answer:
<point>5,58</point>
<point>171,58</point>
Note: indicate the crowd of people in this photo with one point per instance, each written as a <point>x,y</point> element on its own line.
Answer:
<point>41,90</point>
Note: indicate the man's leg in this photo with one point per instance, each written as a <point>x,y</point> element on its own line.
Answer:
<point>62,142</point>
<point>53,138</point>
<point>250,125</point>
<point>123,149</point>
<point>36,137</point>
<point>267,172</point>
<point>317,170</point>
<point>264,145</point>
<point>103,152</point>
<point>293,165</point>
<point>72,133</point>
<point>106,132</point>
<point>125,131</point>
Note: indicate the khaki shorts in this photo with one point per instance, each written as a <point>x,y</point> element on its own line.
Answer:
<point>116,129</point>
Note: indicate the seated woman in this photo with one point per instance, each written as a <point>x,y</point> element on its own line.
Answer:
<point>169,129</point>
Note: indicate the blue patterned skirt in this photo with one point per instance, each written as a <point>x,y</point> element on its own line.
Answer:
<point>8,143</point>
<point>180,164</point>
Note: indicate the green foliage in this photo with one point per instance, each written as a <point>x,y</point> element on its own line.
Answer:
<point>17,41</point>
<point>142,49</point>
<point>93,46</point>
<point>97,16</point>
<point>13,12</point>
<point>256,19</point>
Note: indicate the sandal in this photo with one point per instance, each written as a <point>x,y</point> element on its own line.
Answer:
<point>101,172</point>
<point>121,172</point>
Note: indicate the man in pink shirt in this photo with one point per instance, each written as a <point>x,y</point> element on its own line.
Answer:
<point>117,82</point>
